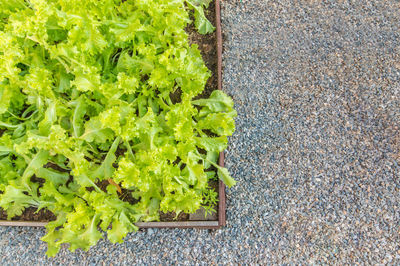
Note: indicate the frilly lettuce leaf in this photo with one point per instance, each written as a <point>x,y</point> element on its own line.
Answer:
<point>203,25</point>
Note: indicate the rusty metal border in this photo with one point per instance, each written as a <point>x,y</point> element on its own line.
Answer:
<point>222,197</point>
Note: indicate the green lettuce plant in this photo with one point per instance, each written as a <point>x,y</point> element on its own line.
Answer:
<point>87,118</point>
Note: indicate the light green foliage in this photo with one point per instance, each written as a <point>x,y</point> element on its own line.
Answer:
<point>86,116</point>
<point>210,199</point>
<point>201,22</point>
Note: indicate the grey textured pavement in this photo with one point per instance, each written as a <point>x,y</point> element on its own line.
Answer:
<point>316,151</point>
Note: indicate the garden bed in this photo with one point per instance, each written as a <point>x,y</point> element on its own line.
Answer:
<point>211,47</point>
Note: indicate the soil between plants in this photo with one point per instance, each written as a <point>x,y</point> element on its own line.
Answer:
<point>208,46</point>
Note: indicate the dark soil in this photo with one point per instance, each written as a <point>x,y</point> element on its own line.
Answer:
<point>208,46</point>
<point>170,216</point>
<point>30,215</point>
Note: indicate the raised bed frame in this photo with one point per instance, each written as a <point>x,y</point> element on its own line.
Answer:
<point>214,224</point>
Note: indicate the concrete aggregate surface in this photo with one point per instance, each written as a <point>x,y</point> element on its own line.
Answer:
<point>316,151</point>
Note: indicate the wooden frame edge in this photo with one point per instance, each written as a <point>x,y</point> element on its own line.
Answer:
<point>185,224</point>
<point>222,195</point>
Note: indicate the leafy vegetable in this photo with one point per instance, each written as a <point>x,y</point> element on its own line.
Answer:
<point>202,24</point>
<point>86,117</point>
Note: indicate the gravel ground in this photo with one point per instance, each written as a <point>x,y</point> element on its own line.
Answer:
<point>316,150</point>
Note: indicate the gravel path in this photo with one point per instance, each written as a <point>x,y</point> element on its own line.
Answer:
<point>316,149</point>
